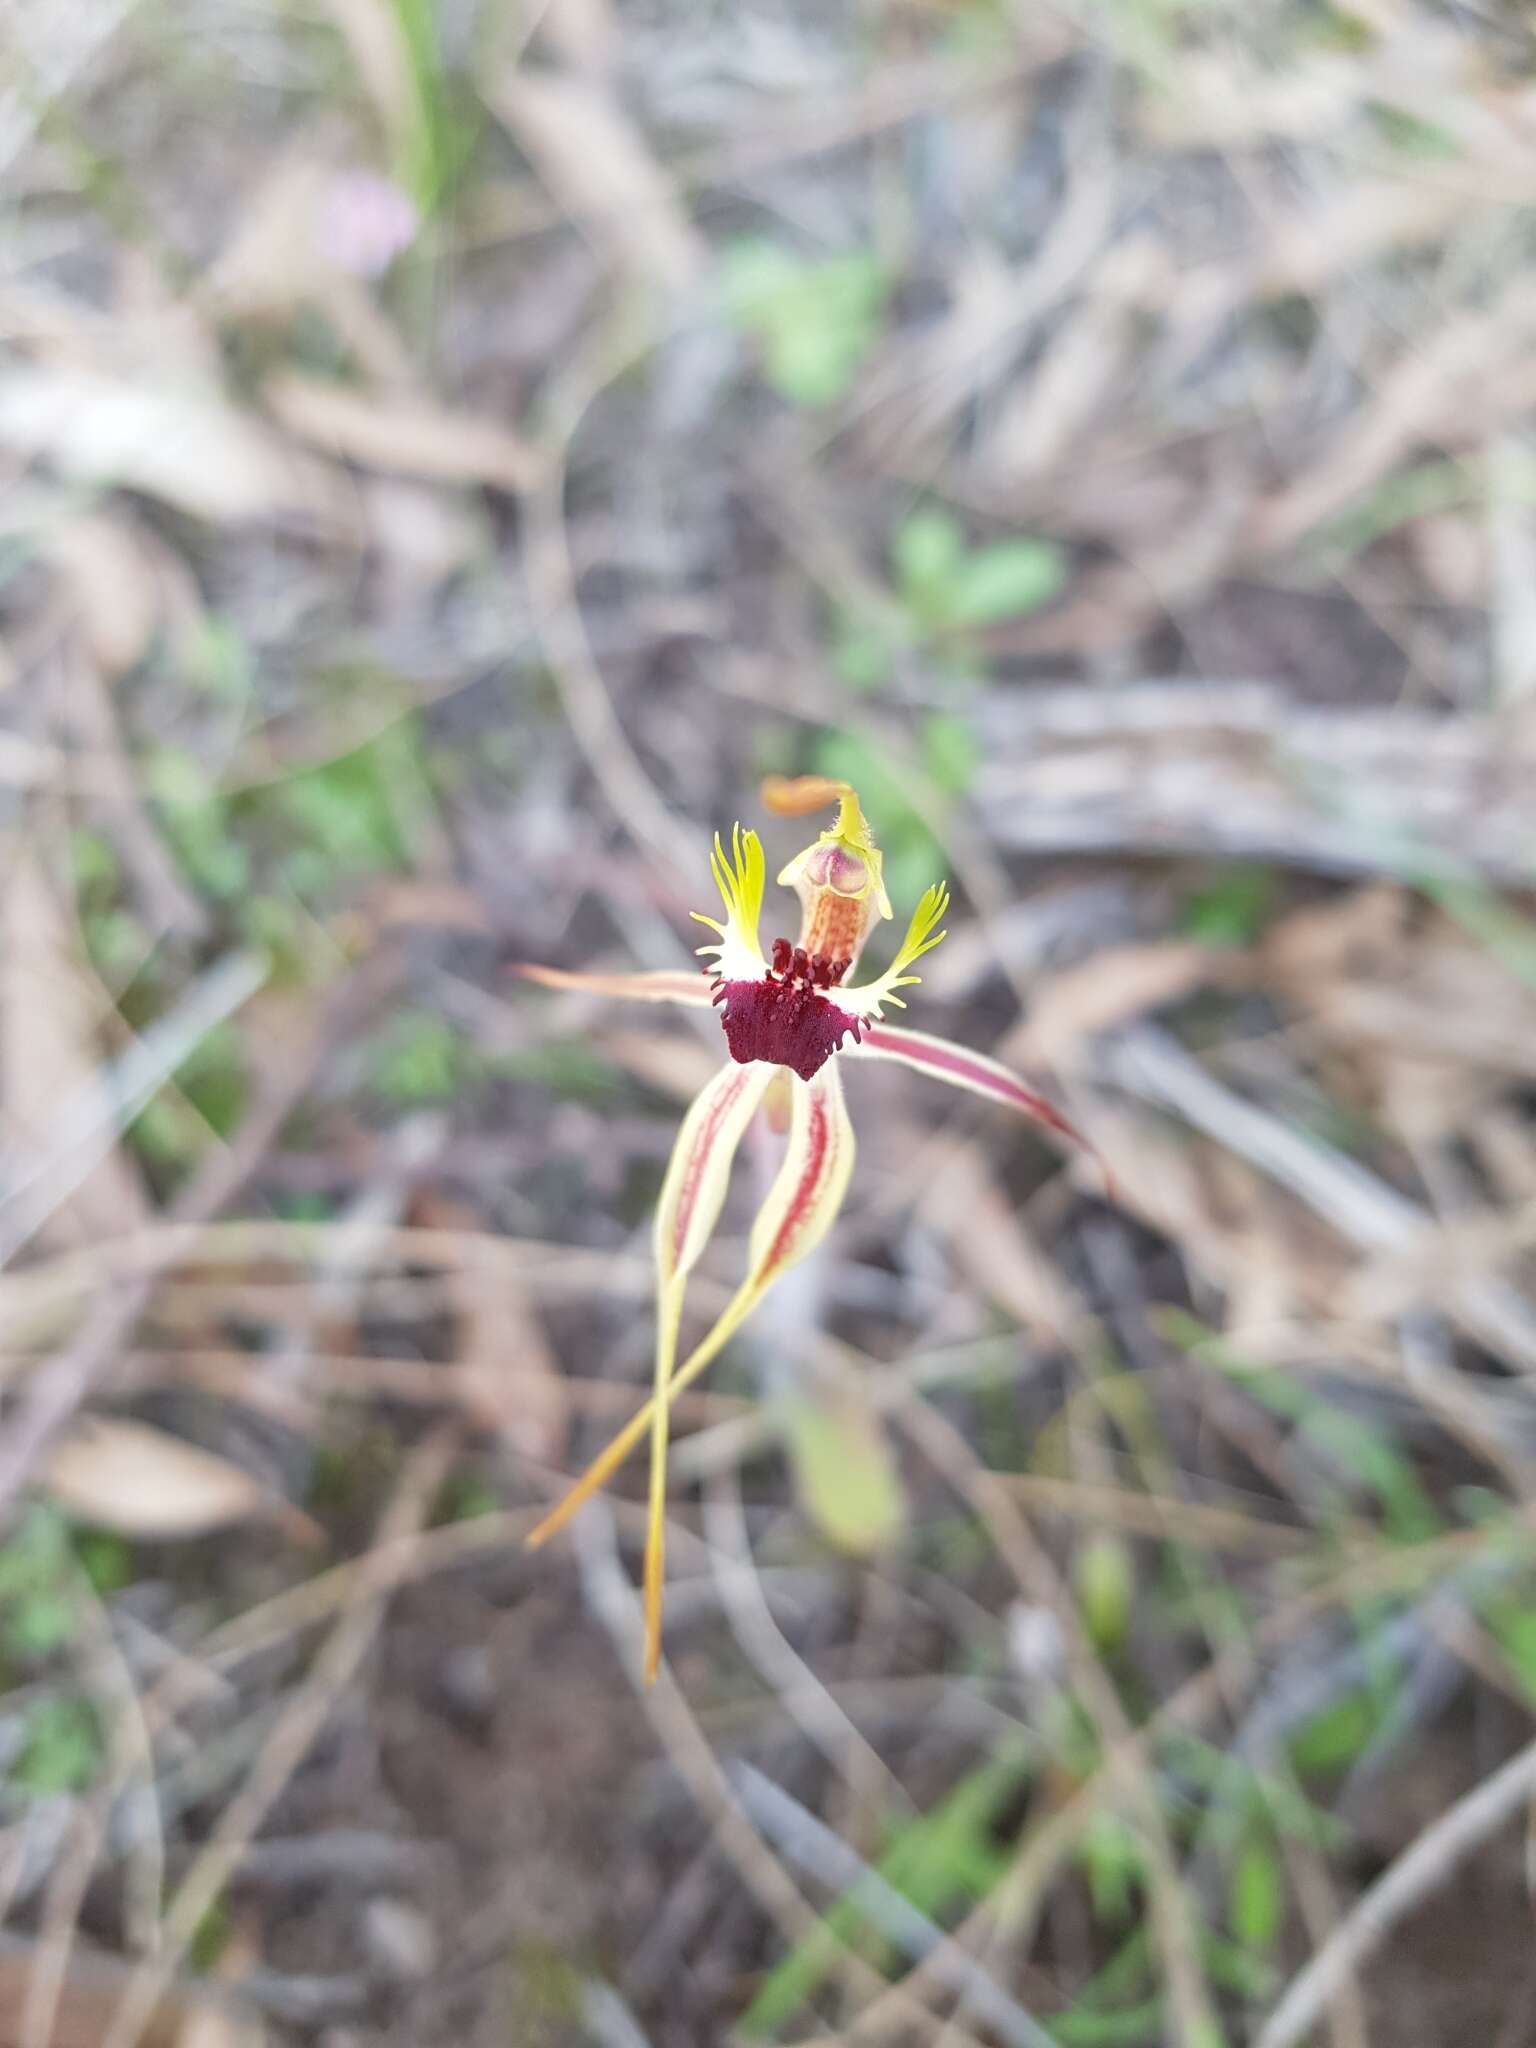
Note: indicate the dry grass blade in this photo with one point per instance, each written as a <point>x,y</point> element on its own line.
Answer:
<point>86,1122</point>
<point>824,1856</point>
<point>990,1244</point>
<point>189,2016</point>
<point>374,32</point>
<point>50,1011</point>
<point>297,1728</point>
<point>404,435</point>
<point>1363,1208</point>
<point>601,170</point>
<point>508,1376</point>
<point>611,1597</point>
<point>1111,989</point>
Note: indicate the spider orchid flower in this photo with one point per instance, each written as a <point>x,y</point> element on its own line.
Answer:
<point>790,1016</point>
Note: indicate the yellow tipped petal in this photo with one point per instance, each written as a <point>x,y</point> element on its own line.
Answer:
<point>739,876</point>
<point>660,986</point>
<point>921,938</point>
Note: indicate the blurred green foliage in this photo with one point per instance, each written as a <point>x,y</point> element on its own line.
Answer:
<point>814,321</point>
<point>1233,907</point>
<point>934,1860</point>
<point>944,591</point>
<point>62,1748</point>
<point>418,1058</point>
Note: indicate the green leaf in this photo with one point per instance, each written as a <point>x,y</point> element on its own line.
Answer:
<point>36,1554</point>
<point>420,1059</point>
<point>1104,1580</point>
<point>1333,1738</point>
<point>951,752</point>
<point>1006,581</point>
<point>1514,1629</point>
<point>62,1748</point>
<point>1112,1861</point>
<point>40,1624</point>
<point>811,364</point>
<point>862,654</point>
<point>1257,1896</point>
<point>927,552</point>
<point>912,855</point>
<point>107,1561</point>
<point>1233,909</point>
<point>845,1474</point>
<point>815,322</point>
<point>755,273</point>
<point>933,1859</point>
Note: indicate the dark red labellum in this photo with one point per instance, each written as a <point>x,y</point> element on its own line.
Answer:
<point>787,1023</point>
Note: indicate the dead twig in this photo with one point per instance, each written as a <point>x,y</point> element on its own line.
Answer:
<point>1418,1873</point>
<point>291,1738</point>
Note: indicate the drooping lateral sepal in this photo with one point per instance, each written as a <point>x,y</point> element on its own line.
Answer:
<point>692,1195</point>
<point>973,1071</point>
<point>808,1190</point>
<point>659,986</point>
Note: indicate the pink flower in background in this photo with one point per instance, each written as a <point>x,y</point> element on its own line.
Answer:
<point>365,222</point>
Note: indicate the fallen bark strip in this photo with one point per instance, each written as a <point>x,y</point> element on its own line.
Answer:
<point>1239,770</point>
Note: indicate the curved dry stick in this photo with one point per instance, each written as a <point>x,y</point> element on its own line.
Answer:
<point>1421,1870</point>
<point>1173,1925</point>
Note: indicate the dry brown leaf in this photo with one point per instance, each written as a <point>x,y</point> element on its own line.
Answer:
<point>678,1067</point>
<point>50,1009</point>
<point>508,1376</point>
<point>1113,988</point>
<point>1324,941</point>
<point>602,172</point>
<point>422,535</point>
<point>189,2016</point>
<point>113,583</point>
<point>138,1481</point>
<point>182,443</point>
<point>406,436</point>
<point>991,1246</point>
<point>438,906</point>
